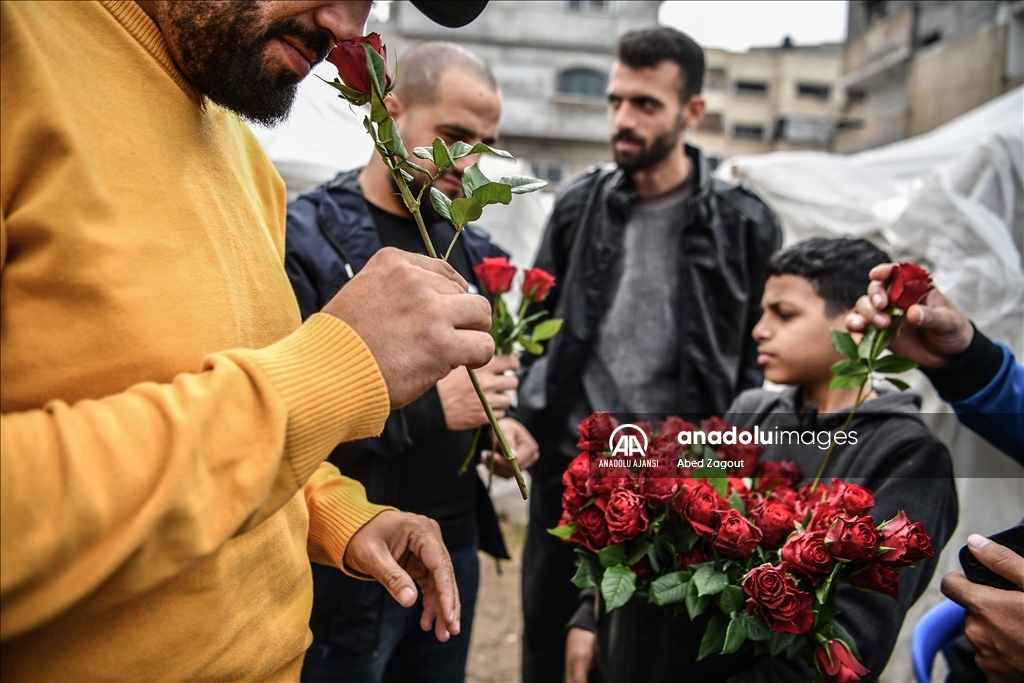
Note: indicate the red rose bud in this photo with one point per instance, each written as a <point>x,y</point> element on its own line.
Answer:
<point>592,529</point>
<point>907,284</point>
<point>350,59</point>
<point>838,663</point>
<point>807,555</point>
<point>854,499</point>
<point>626,514</point>
<point>537,283</point>
<point>903,543</point>
<point>784,607</point>
<point>495,274</point>
<point>852,538</point>
<point>876,577</point>
<point>595,431</point>
<point>701,506</point>
<point>701,552</point>
<point>776,522</point>
<point>772,473</point>
<point>736,536</point>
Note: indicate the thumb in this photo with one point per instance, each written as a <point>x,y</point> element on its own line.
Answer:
<point>998,558</point>
<point>382,566</point>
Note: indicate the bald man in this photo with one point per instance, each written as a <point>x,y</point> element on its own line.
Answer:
<point>360,635</point>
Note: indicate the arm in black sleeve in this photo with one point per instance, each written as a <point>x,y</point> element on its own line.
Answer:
<point>921,483</point>
<point>585,616</point>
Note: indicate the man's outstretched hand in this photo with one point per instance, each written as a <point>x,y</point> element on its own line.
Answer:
<point>398,548</point>
<point>417,317</point>
<point>994,622</point>
<point>935,332</point>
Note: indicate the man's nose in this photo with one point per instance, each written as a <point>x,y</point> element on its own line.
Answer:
<point>622,117</point>
<point>343,20</point>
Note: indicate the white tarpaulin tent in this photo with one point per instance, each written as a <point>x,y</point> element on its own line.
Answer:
<point>951,199</point>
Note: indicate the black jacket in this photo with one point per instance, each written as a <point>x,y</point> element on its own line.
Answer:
<point>330,237</point>
<point>726,242</point>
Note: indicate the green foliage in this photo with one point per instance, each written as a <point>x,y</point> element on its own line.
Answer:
<point>844,344</point>
<point>894,364</point>
<point>617,586</point>
<point>734,636</point>
<point>732,599</point>
<point>588,573</point>
<point>564,531</point>
<point>465,210</point>
<point>442,205</point>
<point>440,155</point>
<point>736,503</point>
<point>521,184</point>
<point>714,636</point>
<point>612,555</point>
<point>377,70</point>
<point>708,580</point>
<point>670,588</point>
<point>546,330</point>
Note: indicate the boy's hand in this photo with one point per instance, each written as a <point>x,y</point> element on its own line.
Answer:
<point>523,445</point>
<point>935,333</point>
<point>994,622</point>
<point>462,407</point>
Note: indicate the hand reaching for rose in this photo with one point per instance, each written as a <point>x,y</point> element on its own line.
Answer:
<point>417,318</point>
<point>462,407</point>
<point>579,654</point>
<point>935,332</point>
<point>994,622</point>
<point>524,447</point>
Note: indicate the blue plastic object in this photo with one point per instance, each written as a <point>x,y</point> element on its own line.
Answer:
<point>936,630</point>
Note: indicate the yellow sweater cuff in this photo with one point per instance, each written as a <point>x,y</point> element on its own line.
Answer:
<point>331,387</point>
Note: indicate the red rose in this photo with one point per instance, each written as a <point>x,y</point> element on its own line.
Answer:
<point>822,517</point>
<point>854,499</point>
<point>577,473</point>
<point>665,449</point>
<point>350,59</point>
<point>592,529</point>
<point>775,521</point>
<point>537,283</point>
<point>773,473</point>
<point>747,453</point>
<point>852,538</point>
<point>907,284</point>
<point>876,577</point>
<point>904,543</point>
<point>595,431</point>
<point>495,274</point>
<point>658,490</point>
<point>838,663</point>
<point>673,426</point>
<point>626,515</point>
<point>572,501</point>
<point>701,506</point>
<point>604,480</point>
<point>813,497</point>
<point>736,536</point>
<point>714,424</point>
<point>700,552</point>
<point>783,495</point>
<point>643,569</point>
<point>783,606</point>
<point>807,555</point>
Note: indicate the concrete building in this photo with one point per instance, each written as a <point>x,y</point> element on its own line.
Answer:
<point>910,66</point>
<point>551,59</point>
<point>770,98</point>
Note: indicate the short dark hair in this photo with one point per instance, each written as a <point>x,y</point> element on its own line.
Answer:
<point>424,64</point>
<point>648,47</point>
<point>837,268</point>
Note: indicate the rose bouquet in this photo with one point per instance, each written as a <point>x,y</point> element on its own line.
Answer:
<point>744,539</point>
<point>366,80</point>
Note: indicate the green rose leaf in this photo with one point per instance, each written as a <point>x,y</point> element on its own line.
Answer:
<point>406,175</point>
<point>709,581</point>
<point>408,164</point>
<point>472,178</point>
<point>546,330</point>
<point>588,573</point>
<point>564,531</point>
<point>779,642</point>
<point>617,586</point>
<point>732,599</point>
<point>423,153</point>
<point>440,155</point>
<point>847,382</point>
<point>754,627</point>
<point>531,346</point>
<point>522,184</point>
<point>441,203</point>
<point>736,503</point>
<point>894,364</point>
<point>867,344</point>
<point>493,193</point>
<point>354,96</point>
<point>459,149</point>
<point>844,344</point>
<point>465,211</point>
<point>850,368</point>
<point>611,555</point>
<point>898,383</point>
<point>377,69</point>
<point>695,605</point>
<point>714,637</point>
<point>734,636</point>
<point>669,589</point>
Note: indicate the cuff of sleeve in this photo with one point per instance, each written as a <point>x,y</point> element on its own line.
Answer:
<point>338,508</point>
<point>584,617</point>
<point>970,372</point>
<point>330,385</point>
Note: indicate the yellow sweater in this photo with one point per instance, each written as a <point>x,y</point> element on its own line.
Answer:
<point>165,416</point>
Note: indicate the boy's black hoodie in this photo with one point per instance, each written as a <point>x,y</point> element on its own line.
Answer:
<point>900,461</point>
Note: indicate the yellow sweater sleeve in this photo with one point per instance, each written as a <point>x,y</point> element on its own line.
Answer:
<point>131,489</point>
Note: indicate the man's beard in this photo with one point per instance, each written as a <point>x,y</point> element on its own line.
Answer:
<point>223,57</point>
<point>649,156</point>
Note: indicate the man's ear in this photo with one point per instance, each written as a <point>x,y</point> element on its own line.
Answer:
<point>394,106</point>
<point>693,112</point>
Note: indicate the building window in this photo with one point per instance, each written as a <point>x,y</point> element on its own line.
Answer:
<point>747,131</point>
<point>855,96</point>
<point>753,88</point>
<point>813,91</point>
<point>711,123</point>
<point>715,79</point>
<point>876,9</point>
<point>551,171</point>
<point>597,6</point>
<point>582,83</point>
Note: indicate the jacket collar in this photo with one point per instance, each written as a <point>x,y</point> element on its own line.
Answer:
<point>622,191</point>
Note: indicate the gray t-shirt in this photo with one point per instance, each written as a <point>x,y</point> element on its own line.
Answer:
<point>634,367</point>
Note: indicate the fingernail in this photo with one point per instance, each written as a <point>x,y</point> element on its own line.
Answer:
<point>879,320</point>
<point>458,626</point>
<point>977,541</point>
<point>406,595</point>
<point>877,300</point>
<point>451,617</point>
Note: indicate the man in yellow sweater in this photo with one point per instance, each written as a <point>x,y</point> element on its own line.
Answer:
<point>165,416</point>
